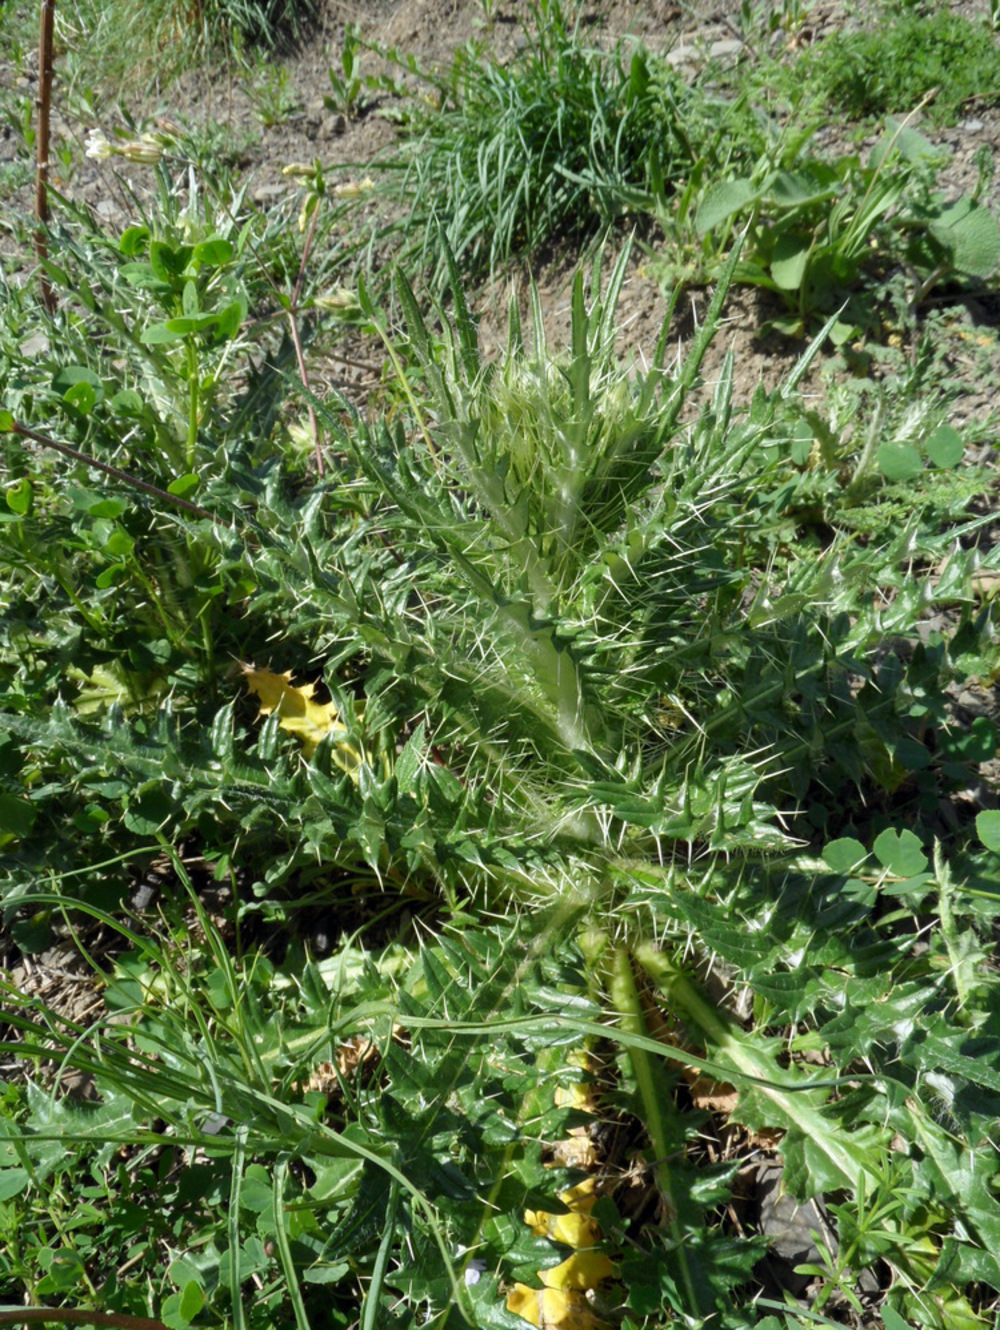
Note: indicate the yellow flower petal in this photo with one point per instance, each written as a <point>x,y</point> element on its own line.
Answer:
<point>553,1309</point>
<point>572,1230</point>
<point>579,1096</point>
<point>525,1302</point>
<point>584,1269</point>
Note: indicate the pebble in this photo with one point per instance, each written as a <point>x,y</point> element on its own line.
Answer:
<point>689,55</point>
<point>268,193</point>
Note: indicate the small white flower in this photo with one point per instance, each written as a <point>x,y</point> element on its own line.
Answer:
<point>140,150</point>
<point>352,189</point>
<point>339,299</point>
<point>98,145</point>
<point>147,150</point>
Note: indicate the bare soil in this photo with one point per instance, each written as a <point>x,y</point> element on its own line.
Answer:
<point>689,32</point>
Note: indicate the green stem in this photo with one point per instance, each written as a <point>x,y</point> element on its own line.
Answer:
<point>794,1105</point>
<point>655,1097</point>
<point>72,1316</point>
<point>193,402</point>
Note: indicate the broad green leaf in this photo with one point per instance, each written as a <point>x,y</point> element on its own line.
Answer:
<point>109,576</point>
<point>910,753</point>
<point>190,323</point>
<point>7,422</point>
<point>167,262</point>
<point>988,828</point>
<point>230,319</point>
<point>127,403</point>
<point>909,142</point>
<point>119,543</point>
<point>891,1320</point>
<point>134,241</point>
<point>81,397</point>
<point>899,461</point>
<point>64,1271</point>
<point>17,816</point>
<point>12,1182</point>
<point>844,855</point>
<point>945,447</point>
<point>979,743</point>
<point>970,236</point>
<point>146,814</point>
<point>190,303</point>
<point>901,852</point>
<point>214,252</point>
<point>789,261</point>
<point>183,485</point>
<point>795,189</point>
<point>157,334</point>
<point>19,497</point>
<point>95,505</point>
<point>722,201</point>
<point>70,378</point>
<point>192,1300</point>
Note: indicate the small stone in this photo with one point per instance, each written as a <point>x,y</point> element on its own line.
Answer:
<point>36,345</point>
<point>269,193</point>
<point>722,49</point>
<point>973,126</point>
<point>977,702</point>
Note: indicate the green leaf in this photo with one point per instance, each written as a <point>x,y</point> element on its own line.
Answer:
<point>979,743</point>
<point>183,485</point>
<point>81,397</point>
<point>167,262</point>
<point>945,447</point>
<point>789,261</point>
<point>95,505</point>
<point>230,319</point>
<point>72,376</point>
<point>970,236</point>
<point>214,252</point>
<point>158,333</point>
<point>17,816</point>
<point>7,423</point>
<point>797,189</point>
<point>149,812</point>
<point>910,143</point>
<point>64,1270</point>
<point>891,1320</point>
<point>19,497</point>
<point>189,298</point>
<point>134,241</point>
<point>12,1182</point>
<point>988,828</point>
<point>190,323</point>
<point>127,403</point>
<point>844,855</point>
<point>91,819</point>
<point>722,201</point>
<point>901,852</point>
<point>109,576</point>
<point>192,1300</point>
<point>899,461</point>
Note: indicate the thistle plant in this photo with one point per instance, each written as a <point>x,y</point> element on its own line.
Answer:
<point>594,639</point>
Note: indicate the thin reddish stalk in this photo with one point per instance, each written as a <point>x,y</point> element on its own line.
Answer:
<point>70,1316</point>
<point>164,495</point>
<point>297,341</point>
<point>43,102</point>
